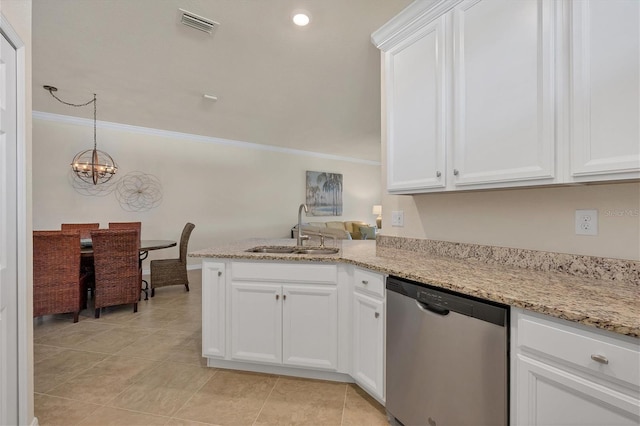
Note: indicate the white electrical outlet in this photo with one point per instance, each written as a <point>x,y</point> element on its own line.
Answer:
<point>586,222</point>
<point>397,218</point>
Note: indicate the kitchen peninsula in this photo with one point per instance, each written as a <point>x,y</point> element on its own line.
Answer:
<point>610,303</point>
<point>574,322</point>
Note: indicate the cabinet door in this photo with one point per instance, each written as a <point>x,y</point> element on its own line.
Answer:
<point>256,322</point>
<point>368,344</point>
<point>605,85</point>
<point>415,96</point>
<point>213,309</point>
<point>310,326</point>
<point>548,396</point>
<point>503,93</point>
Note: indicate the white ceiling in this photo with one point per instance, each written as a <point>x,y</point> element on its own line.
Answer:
<point>315,88</point>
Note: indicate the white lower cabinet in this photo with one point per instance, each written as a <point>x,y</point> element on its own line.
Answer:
<point>285,324</point>
<point>213,309</point>
<point>368,344</point>
<point>256,322</point>
<point>318,320</point>
<point>368,327</point>
<point>564,374</point>
<point>315,320</point>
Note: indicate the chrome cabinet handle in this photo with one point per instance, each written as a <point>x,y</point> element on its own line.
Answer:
<point>284,297</point>
<point>456,172</point>
<point>365,282</point>
<point>277,297</point>
<point>438,174</point>
<point>600,358</point>
<point>377,314</point>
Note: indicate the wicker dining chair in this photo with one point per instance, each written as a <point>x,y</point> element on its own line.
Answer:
<point>166,272</point>
<point>86,262</point>
<point>138,227</point>
<point>84,228</point>
<point>127,225</point>
<point>58,286</point>
<point>115,254</point>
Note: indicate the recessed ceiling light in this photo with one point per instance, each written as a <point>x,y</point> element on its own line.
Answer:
<point>301,19</point>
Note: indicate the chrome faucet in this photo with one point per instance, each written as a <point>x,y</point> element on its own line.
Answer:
<point>301,237</point>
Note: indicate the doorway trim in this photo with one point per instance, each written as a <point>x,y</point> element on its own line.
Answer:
<point>25,326</point>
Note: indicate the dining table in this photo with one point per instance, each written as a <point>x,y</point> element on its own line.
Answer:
<point>86,251</point>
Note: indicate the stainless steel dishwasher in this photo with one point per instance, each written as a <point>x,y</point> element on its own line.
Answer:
<point>446,358</point>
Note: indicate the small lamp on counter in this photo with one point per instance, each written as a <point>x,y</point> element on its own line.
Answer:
<point>377,209</point>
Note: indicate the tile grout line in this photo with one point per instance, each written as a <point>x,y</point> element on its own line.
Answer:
<point>344,403</point>
<point>72,376</point>
<point>98,406</point>
<point>265,400</point>
<point>215,373</point>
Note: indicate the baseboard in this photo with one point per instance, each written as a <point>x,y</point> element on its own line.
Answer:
<point>280,370</point>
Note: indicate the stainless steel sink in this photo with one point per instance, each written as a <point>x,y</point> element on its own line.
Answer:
<point>272,249</point>
<point>294,250</point>
<point>317,250</point>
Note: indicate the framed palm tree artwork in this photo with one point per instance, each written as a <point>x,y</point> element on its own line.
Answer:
<point>324,193</point>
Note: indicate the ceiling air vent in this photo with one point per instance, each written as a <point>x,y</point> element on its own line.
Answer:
<point>198,22</point>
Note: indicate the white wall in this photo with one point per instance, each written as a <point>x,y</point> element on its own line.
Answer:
<point>535,218</point>
<point>228,191</point>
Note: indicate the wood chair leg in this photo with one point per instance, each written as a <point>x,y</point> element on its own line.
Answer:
<point>135,308</point>
<point>153,291</point>
<point>76,316</point>
<point>187,286</point>
<point>97,315</point>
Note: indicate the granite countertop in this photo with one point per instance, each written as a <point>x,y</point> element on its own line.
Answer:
<point>612,305</point>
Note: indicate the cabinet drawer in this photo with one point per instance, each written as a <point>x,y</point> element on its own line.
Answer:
<point>285,272</point>
<point>619,359</point>
<point>370,282</point>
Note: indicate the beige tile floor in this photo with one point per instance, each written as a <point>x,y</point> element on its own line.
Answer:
<point>146,369</point>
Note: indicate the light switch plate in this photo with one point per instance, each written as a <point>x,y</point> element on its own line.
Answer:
<point>586,222</point>
<point>397,218</point>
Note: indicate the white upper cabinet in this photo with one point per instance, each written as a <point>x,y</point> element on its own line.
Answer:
<point>604,44</point>
<point>503,92</point>
<point>416,110</point>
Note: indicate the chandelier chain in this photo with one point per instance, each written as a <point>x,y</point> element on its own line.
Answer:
<point>95,107</point>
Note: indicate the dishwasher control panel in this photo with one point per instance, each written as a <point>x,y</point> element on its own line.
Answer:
<point>443,300</point>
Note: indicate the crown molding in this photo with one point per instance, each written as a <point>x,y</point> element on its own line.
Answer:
<point>46,116</point>
<point>410,20</point>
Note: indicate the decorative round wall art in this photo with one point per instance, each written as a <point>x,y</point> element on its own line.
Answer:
<point>138,192</point>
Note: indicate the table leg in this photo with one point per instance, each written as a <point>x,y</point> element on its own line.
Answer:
<point>145,289</point>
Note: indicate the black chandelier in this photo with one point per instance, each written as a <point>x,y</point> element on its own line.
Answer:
<point>92,165</point>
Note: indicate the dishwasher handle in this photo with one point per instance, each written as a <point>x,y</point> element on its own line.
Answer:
<point>432,308</point>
